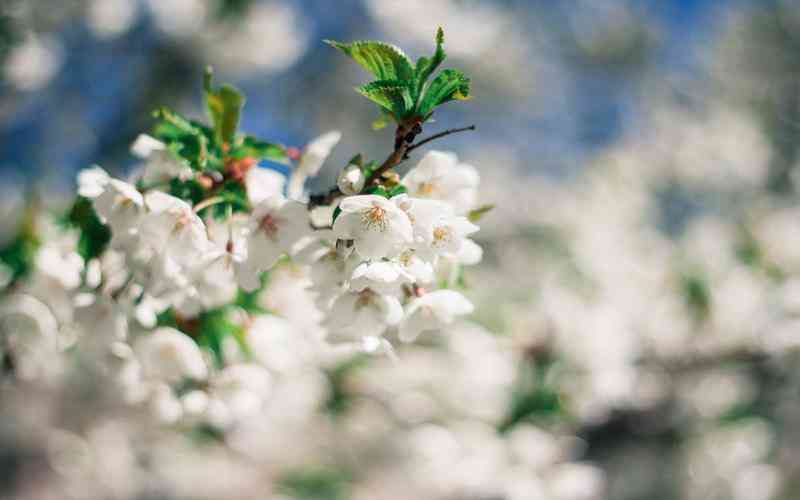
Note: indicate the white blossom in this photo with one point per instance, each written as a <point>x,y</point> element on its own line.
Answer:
<point>431,312</point>
<point>121,206</point>
<point>242,389</point>
<point>420,270</point>
<point>355,315</point>
<point>275,226</point>
<point>145,145</point>
<point>440,176</point>
<point>230,251</point>
<point>436,230</point>
<point>377,226</point>
<point>164,405</point>
<point>263,183</point>
<point>171,226</point>
<point>92,182</point>
<point>59,261</point>
<point>311,160</point>
<point>385,277</point>
<point>170,355</point>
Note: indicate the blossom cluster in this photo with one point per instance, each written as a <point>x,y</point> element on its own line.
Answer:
<point>641,311</point>
<point>169,317</point>
<point>372,274</point>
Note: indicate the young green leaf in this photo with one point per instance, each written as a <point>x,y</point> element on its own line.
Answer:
<point>378,191</point>
<point>261,150</point>
<point>189,190</point>
<point>448,85</point>
<point>397,190</point>
<point>224,108</point>
<point>392,95</point>
<point>94,235</point>
<point>19,254</point>
<point>381,121</point>
<point>383,60</point>
<point>186,139</point>
<point>476,214</point>
<point>426,67</point>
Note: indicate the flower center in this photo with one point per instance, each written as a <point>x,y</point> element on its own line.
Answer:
<point>374,217</point>
<point>441,235</point>
<point>428,188</point>
<point>405,258</point>
<point>365,299</point>
<point>182,219</point>
<point>123,201</point>
<point>269,225</point>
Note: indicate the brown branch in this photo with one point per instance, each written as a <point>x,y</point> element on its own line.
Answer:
<point>404,136</point>
<point>438,136</point>
<point>392,161</point>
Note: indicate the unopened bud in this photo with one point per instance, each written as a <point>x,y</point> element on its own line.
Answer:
<point>294,153</point>
<point>351,180</point>
<point>390,178</point>
<point>205,181</point>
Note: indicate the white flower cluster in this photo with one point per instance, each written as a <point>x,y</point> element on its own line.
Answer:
<point>163,298</point>
<point>291,384</point>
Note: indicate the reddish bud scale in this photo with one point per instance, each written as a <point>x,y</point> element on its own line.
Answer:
<point>293,153</point>
<point>205,181</point>
<point>237,169</point>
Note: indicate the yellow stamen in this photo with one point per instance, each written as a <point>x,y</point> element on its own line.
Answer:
<point>375,216</point>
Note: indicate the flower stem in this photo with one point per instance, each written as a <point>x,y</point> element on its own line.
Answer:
<point>214,200</point>
<point>439,136</point>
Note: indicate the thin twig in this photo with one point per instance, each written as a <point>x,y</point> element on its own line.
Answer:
<point>326,198</point>
<point>392,161</point>
<point>207,203</point>
<point>400,153</point>
<point>438,136</point>
<point>319,228</point>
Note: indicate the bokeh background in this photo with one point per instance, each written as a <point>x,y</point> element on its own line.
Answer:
<point>644,255</point>
<point>555,81</point>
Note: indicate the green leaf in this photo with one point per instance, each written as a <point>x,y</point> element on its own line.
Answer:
<point>249,301</point>
<point>186,139</point>
<point>214,328</point>
<point>340,395</point>
<point>316,483</point>
<point>476,214</point>
<point>383,60</point>
<point>382,120</point>
<point>448,85</point>
<point>697,295</point>
<point>369,168</point>
<point>535,397</point>
<point>206,434</point>
<point>173,126</point>
<point>357,160</point>
<point>224,108</point>
<point>260,150</point>
<point>235,195</point>
<point>391,95</point>
<point>189,190</point>
<point>378,190</point>
<point>94,235</point>
<point>397,190</point>
<point>167,318</point>
<point>20,252</point>
<point>425,67</point>
<point>336,212</point>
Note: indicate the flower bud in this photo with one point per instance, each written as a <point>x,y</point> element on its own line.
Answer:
<point>351,180</point>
